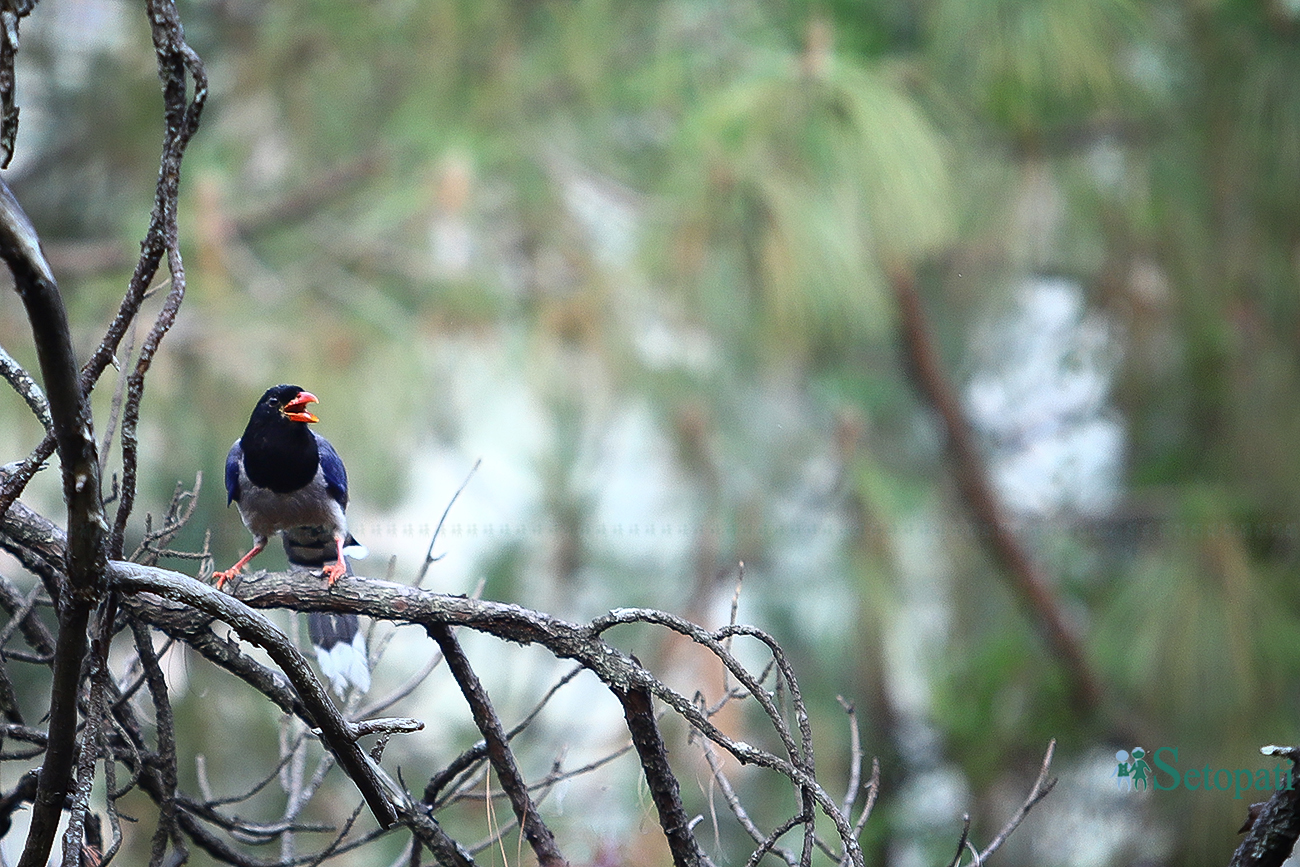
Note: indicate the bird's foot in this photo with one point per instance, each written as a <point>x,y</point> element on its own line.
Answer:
<point>225,575</point>
<point>334,571</point>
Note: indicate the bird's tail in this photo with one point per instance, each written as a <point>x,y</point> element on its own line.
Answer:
<point>340,646</point>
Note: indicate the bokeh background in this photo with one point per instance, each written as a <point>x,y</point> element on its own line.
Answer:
<point>638,256</point>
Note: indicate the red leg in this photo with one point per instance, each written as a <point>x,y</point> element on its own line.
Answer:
<point>339,567</point>
<point>223,577</point>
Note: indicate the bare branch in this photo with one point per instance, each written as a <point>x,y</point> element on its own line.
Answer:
<point>90,741</point>
<point>780,831</point>
<point>9,18</point>
<point>387,701</point>
<point>27,388</point>
<point>166,726</point>
<point>380,599</point>
<point>738,809</point>
<point>135,391</point>
<point>114,412</point>
<point>253,627</point>
<point>638,710</point>
<point>70,413</point>
<point>14,481</point>
<point>177,63</point>
<point>396,725</point>
<point>429,559</point>
<point>1273,827</point>
<point>962,841</point>
<point>179,512</point>
<point>1023,573</point>
<point>855,757</point>
<point>1042,786</point>
<point>479,750</point>
<point>873,790</point>
<point>69,410</point>
<point>539,836</point>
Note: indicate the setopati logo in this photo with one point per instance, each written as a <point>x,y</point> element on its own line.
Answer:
<point>1137,770</point>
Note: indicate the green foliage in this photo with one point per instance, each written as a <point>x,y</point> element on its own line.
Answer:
<point>809,179</point>
<point>1033,66</point>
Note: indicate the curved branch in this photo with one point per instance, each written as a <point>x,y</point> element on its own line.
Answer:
<point>70,412</point>
<point>619,671</point>
<point>184,608</point>
<point>336,733</point>
<point>176,60</point>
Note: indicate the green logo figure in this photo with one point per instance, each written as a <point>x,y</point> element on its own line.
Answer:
<point>1140,773</point>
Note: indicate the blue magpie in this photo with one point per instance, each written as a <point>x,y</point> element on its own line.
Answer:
<point>287,479</point>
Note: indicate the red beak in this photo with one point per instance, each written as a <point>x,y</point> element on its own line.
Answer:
<point>295,409</point>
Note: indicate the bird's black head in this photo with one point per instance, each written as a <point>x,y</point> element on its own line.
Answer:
<point>280,451</point>
<point>284,403</point>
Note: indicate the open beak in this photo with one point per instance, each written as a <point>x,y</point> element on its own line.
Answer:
<point>296,409</point>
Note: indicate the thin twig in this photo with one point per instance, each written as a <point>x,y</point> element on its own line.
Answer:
<point>479,750</point>
<point>962,841</point>
<point>873,789</point>
<point>735,611</point>
<point>855,757</point>
<point>429,559</point>
<point>737,808</point>
<point>115,409</point>
<point>402,691</point>
<point>1042,786</point>
<point>135,388</point>
<point>466,792</point>
<point>166,733</point>
<point>27,387</point>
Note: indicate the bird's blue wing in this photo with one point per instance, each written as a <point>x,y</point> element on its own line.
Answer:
<point>336,475</point>
<point>233,460</point>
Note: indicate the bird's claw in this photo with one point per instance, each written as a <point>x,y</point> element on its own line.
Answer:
<point>334,571</point>
<point>224,576</point>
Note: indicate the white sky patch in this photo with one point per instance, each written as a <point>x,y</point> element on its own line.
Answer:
<point>1040,395</point>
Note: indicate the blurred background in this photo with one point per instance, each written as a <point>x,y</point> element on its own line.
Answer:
<point>640,257</point>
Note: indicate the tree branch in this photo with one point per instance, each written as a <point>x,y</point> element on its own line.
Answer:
<point>1026,578</point>
<point>10,15</point>
<point>28,389</point>
<point>336,733</point>
<point>166,725</point>
<point>638,710</point>
<point>70,413</point>
<point>539,836</point>
<point>618,670</point>
<point>176,61</point>
<point>1042,785</point>
<point>1272,834</point>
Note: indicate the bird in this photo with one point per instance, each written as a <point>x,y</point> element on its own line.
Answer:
<point>285,478</point>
